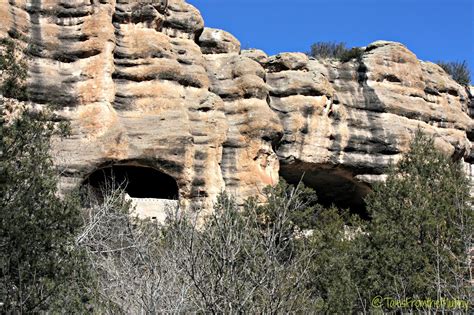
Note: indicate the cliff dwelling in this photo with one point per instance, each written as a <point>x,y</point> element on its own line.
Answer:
<point>164,89</point>
<point>333,186</point>
<point>151,192</point>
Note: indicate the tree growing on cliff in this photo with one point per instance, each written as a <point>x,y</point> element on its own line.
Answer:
<point>421,229</point>
<point>459,71</point>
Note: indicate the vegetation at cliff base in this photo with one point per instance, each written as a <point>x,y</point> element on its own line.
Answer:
<point>80,254</point>
<point>41,269</point>
<point>288,255</point>
<point>421,228</point>
<point>13,71</point>
<point>291,254</point>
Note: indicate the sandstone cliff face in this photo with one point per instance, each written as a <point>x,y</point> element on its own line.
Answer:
<point>149,85</point>
<point>346,122</point>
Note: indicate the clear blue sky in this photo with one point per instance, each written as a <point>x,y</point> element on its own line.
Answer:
<point>432,29</point>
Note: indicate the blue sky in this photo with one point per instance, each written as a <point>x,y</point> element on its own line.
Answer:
<point>432,29</point>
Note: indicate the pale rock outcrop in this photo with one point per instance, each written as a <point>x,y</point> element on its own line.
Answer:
<point>345,127</point>
<point>148,85</point>
<point>214,41</point>
<point>255,54</point>
<point>249,162</point>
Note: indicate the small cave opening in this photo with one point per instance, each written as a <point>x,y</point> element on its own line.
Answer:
<point>137,181</point>
<point>333,186</point>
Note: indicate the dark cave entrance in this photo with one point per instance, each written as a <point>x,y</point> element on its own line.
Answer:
<point>333,186</point>
<point>137,181</point>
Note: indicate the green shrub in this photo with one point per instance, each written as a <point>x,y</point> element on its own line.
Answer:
<point>459,71</point>
<point>421,229</point>
<point>353,53</point>
<point>333,50</point>
<point>40,268</point>
<point>13,71</point>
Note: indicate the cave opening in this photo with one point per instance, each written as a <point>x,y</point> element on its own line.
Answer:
<point>333,186</point>
<point>137,181</point>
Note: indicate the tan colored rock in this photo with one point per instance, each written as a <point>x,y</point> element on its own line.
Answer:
<point>144,86</point>
<point>287,61</point>
<point>214,41</point>
<point>182,20</point>
<point>342,139</point>
<point>256,55</point>
<point>292,82</point>
<point>249,162</point>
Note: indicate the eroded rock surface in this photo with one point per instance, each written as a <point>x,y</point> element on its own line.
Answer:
<point>346,122</point>
<point>148,85</point>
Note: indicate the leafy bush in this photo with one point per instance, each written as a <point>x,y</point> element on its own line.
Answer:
<point>13,71</point>
<point>353,53</point>
<point>40,268</point>
<point>327,50</point>
<point>459,71</point>
<point>421,230</point>
<point>336,267</point>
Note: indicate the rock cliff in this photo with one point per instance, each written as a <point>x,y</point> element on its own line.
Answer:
<point>145,84</point>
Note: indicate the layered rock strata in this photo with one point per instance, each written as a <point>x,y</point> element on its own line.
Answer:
<point>148,85</point>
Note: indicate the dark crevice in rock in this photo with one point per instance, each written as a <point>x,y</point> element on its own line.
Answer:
<point>126,63</point>
<point>80,37</point>
<point>185,62</point>
<point>273,67</point>
<point>138,182</point>
<point>470,135</point>
<point>302,92</point>
<point>368,149</point>
<point>333,185</point>
<point>204,109</point>
<point>392,78</point>
<point>235,97</point>
<point>157,76</point>
<point>130,57</point>
<point>197,35</point>
<point>431,91</point>
<point>71,56</point>
<point>450,92</point>
<point>73,13</point>
<point>418,96</point>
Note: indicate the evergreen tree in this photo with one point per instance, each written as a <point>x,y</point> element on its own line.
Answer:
<point>421,228</point>
<point>40,268</point>
<point>13,71</point>
<point>331,280</point>
<point>39,265</point>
